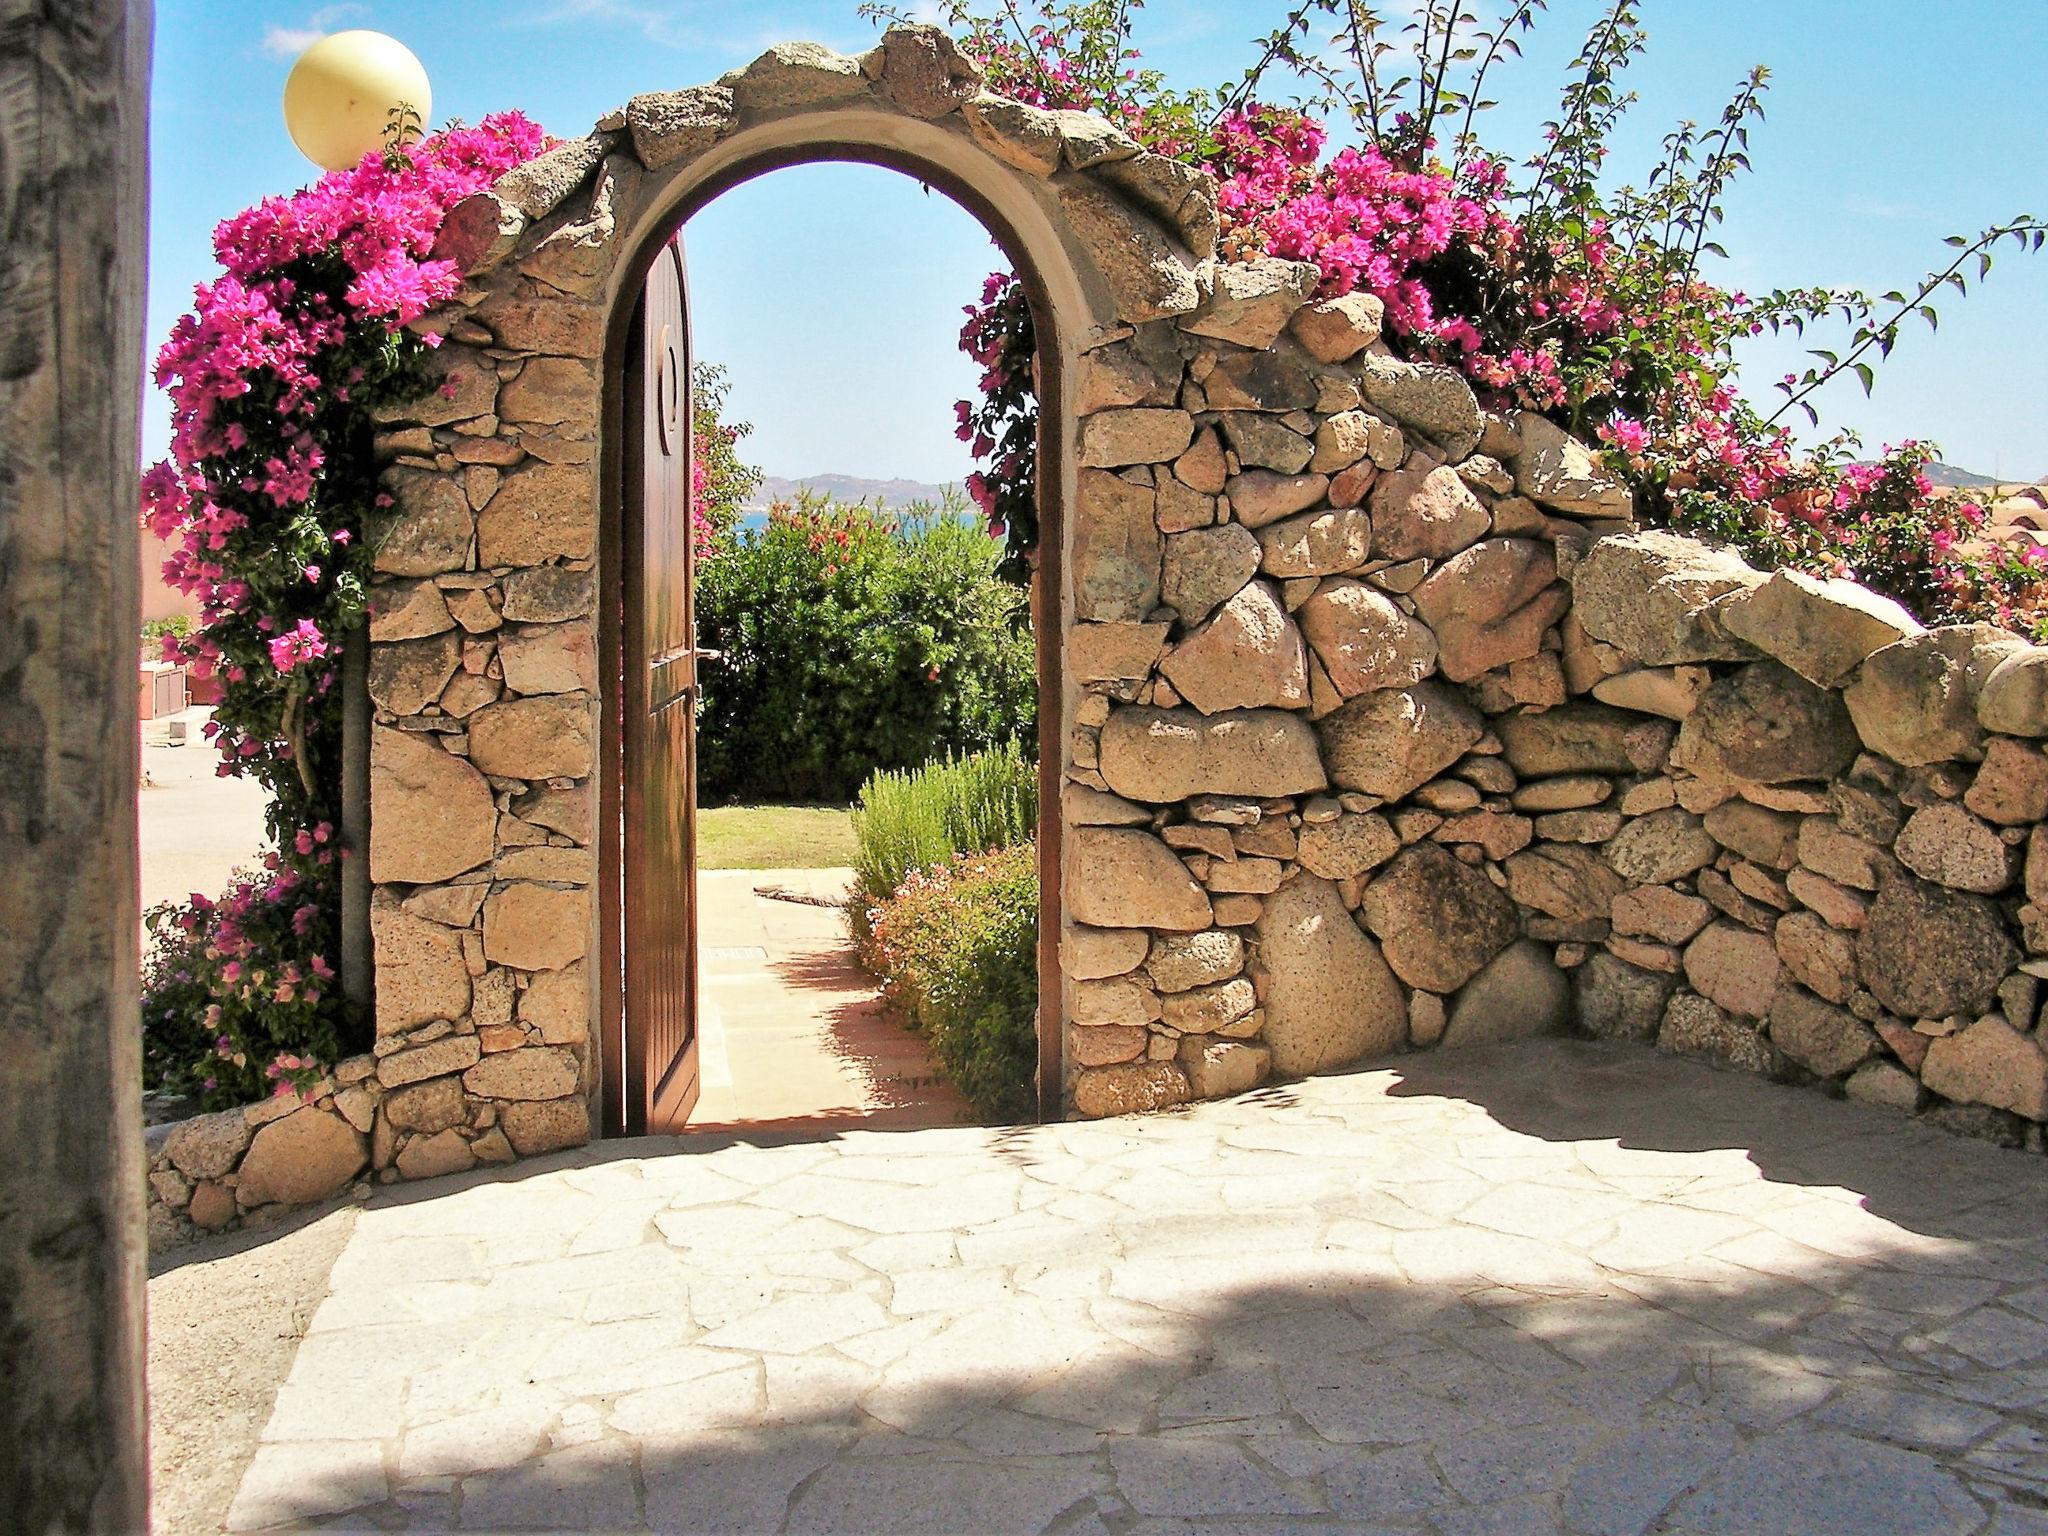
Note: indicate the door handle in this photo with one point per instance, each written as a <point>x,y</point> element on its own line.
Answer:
<point>685,653</point>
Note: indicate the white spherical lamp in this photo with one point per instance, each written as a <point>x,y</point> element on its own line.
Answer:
<point>345,93</point>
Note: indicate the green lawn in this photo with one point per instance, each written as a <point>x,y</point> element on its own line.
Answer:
<point>774,837</point>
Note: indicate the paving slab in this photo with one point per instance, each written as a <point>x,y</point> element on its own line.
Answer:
<point>1555,1286</point>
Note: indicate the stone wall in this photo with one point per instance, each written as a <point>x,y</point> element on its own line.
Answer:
<point>1383,727</point>
<point>1397,734</point>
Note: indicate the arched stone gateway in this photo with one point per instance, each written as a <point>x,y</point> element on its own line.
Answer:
<point>1370,721</point>
<point>493,876</point>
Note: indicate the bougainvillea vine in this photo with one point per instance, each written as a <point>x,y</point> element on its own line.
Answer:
<point>1550,292</point>
<point>1001,427</point>
<point>269,499</point>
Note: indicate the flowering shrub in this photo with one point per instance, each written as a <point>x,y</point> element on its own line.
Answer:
<point>1547,291</point>
<point>956,949</point>
<point>268,498</point>
<point>921,817</point>
<point>1883,524</point>
<point>230,1010</point>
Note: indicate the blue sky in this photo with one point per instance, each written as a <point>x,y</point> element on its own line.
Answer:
<point>833,293</point>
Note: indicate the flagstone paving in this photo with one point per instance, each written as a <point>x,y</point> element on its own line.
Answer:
<point>1554,1287</point>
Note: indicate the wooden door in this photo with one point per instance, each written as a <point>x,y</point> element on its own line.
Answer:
<point>660,709</point>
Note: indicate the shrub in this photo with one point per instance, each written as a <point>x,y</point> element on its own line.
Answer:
<point>855,640</point>
<point>956,949</point>
<point>908,822</point>
<point>177,626</point>
<point>227,1012</point>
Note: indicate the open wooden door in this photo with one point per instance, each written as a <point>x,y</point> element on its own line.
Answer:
<point>659,708</point>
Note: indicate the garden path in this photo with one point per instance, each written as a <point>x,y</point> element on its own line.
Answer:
<point>794,1036</point>
<point>1555,1286</point>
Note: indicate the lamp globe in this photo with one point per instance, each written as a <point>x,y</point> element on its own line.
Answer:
<point>346,92</point>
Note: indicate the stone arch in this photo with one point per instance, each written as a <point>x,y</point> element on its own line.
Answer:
<point>487,904</point>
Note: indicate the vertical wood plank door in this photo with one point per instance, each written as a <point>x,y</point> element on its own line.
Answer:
<point>660,709</point>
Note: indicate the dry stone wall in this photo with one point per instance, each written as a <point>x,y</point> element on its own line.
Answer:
<point>1385,728</point>
<point>1396,733</point>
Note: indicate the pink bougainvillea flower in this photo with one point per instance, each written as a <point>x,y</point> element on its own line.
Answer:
<point>302,643</point>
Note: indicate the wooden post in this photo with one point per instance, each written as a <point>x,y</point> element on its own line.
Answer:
<point>73,200</point>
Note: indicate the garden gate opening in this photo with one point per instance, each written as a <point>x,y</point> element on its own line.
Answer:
<point>653,979</point>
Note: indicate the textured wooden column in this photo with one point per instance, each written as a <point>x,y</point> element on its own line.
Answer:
<point>73,99</point>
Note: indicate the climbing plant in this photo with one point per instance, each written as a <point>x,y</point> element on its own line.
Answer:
<point>1352,142</point>
<point>1001,428</point>
<point>321,313</point>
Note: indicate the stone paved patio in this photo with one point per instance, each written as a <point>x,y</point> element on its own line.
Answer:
<point>1549,1287</point>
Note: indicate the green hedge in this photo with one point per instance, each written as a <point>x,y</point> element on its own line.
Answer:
<point>855,640</point>
<point>956,948</point>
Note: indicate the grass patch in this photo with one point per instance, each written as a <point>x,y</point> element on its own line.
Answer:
<point>774,837</point>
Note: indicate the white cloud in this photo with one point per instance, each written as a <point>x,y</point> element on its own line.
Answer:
<point>657,24</point>
<point>288,42</point>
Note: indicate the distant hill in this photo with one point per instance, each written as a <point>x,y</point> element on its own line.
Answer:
<point>898,493</point>
<point>893,494</point>
<point>1950,478</point>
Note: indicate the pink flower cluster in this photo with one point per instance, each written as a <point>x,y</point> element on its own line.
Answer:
<point>263,351</point>
<point>1364,222</point>
<point>1372,225</point>
<point>228,927</point>
<point>260,324</point>
<point>703,532</point>
<point>301,643</point>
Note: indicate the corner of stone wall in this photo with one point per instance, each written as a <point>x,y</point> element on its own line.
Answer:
<point>483,682</point>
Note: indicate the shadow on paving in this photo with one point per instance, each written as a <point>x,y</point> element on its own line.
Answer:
<point>795,1037</point>
<point>894,1062</point>
<point>1213,1322</point>
<point>1471,1403</point>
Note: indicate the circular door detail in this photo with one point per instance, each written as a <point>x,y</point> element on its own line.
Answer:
<point>668,405</point>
